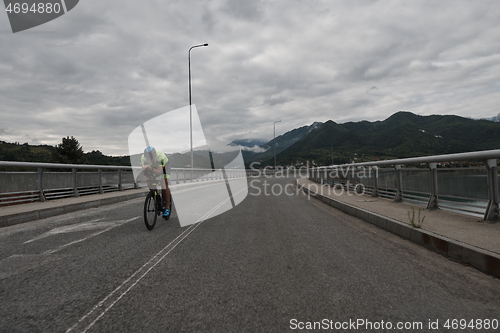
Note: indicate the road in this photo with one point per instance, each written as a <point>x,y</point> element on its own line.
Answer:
<point>274,263</point>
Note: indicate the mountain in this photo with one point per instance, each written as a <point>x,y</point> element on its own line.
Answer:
<point>289,138</point>
<point>403,134</point>
<point>496,119</point>
<point>313,146</point>
<point>282,143</point>
<point>249,143</point>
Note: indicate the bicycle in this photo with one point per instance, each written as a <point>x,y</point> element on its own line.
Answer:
<point>153,206</point>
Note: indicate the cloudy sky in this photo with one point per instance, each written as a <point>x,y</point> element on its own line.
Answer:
<point>105,67</point>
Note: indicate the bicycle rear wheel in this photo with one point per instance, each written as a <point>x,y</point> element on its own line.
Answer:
<point>150,210</point>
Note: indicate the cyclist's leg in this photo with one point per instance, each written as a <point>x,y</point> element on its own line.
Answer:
<point>165,188</point>
<point>166,193</point>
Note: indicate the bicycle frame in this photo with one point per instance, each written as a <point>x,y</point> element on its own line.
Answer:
<point>153,206</point>
<point>158,200</point>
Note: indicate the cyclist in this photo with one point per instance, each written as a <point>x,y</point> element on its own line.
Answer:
<point>156,165</point>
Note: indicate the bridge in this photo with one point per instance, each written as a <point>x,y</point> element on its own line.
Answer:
<point>296,254</point>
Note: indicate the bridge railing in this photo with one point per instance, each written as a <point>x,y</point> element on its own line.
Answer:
<point>45,183</point>
<point>473,190</point>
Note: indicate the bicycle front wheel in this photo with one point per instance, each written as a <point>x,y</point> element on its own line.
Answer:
<point>150,210</point>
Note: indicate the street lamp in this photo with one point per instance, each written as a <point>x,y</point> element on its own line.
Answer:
<point>190,111</point>
<point>274,125</point>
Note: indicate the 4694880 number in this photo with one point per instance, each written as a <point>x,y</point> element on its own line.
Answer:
<point>36,8</point>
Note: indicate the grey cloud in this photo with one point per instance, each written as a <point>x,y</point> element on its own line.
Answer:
<point>273,100</point>
<point>4,131</point>
<point>243,9</point>
<point>113,65</point>
<point>208,19</point>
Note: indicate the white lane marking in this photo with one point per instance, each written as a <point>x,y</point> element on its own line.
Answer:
<point>113,225</point>
<point>70,228</point>
<point>208,215</point>
<point>147,267</point>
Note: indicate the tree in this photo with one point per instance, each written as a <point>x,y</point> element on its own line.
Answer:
<point>69,152</point>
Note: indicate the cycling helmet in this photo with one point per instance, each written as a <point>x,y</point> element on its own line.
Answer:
<point>150,153</point>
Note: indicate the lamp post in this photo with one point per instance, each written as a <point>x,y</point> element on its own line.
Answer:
<point>274,126</point>
<point>190,111</point>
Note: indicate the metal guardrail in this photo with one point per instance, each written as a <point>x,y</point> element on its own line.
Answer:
<point>45,184</point>
<point>370,177</point>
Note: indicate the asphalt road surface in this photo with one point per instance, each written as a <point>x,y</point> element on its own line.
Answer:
<point>274,263</point>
